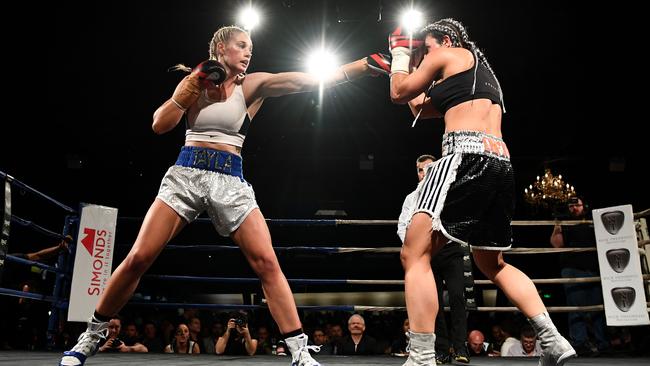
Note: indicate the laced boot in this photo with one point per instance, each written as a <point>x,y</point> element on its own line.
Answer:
<point>422,349</point>
<point>87,344</point>
<point>555,348</point>
<point>300,351</point>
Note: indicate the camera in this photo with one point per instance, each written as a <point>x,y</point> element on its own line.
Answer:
<point>116,343</point>
<point>241,321</point>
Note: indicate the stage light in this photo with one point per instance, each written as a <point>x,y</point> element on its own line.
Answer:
<point>412,20</point>
<point>249,18</point>
<point>322,64</point>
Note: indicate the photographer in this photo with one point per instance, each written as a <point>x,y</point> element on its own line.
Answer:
<point>237,338</point>
<point>115,344</point>
<point>575,265</point>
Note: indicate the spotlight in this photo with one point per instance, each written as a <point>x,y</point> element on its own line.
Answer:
<point>412,20</point>
<point>322,64</point>
<point>248,18</point>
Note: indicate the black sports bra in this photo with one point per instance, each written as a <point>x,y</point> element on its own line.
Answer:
<point>457,88</point>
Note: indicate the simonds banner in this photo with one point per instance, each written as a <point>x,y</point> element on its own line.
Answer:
<point>93,260</point>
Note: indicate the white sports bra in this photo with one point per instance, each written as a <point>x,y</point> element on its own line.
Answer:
<point>223,122</point>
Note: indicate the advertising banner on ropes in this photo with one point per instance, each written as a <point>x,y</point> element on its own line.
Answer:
<point>93,260</point>
<point>620,266</point>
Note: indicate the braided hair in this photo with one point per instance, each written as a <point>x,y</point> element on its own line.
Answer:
<point>223,34</point>
<point>457,33</point>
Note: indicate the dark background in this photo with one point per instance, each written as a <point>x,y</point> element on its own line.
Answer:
<point>87,136</point>
<point>83,132</point>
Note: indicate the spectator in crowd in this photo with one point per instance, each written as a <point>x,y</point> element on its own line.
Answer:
<point>195,332</point>
<point>131,334</point>
<point>182,342</point>
<point>508,330</point>
<point>400,344</point>
<point>151,340</point>
<point>476,344</point>
<point>497,339</point>
<point>320,339</point>
<point>167,329</point>
<point>358,343</point>
<point>264,345</point>
<point>528,345</point>
<point>236,340</point>
<point>209,341</point>
<point>25,322</point>
<point>113,343</point>
<point>336,337</point>
<point>576,265</point>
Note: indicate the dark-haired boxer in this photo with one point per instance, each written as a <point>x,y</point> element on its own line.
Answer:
<point>467,196</point>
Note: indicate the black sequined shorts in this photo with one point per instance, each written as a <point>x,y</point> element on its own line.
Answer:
<point>469,192</point>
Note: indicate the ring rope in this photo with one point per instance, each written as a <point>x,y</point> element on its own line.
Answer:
<point>28,262</point>
<point>236,306</point>
<point>337,222</point>
<point>205,248</point>
<point>643,213</point>
<point>29,295</point>
<point>551,309</point>
<point>309,281</point>
<point>24,186</point>
<point>36,227</point>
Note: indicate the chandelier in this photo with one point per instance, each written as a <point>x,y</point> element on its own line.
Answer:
<point>549,191</point>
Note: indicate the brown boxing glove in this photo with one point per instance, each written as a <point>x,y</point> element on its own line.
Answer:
<point>209,72</point>
<point>187,91</point>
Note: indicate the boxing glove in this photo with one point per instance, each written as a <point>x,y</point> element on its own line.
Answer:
<point>207,73</point>
<point>378,63</point>
<point>400,46</point>
<point>210,71</point>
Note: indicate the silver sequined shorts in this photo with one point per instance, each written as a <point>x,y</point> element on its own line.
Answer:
<point>227,199</point>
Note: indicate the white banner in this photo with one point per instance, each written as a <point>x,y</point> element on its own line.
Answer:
<point>93,260</point>
<point>620,266</point>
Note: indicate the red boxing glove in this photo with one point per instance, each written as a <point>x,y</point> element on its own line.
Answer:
<point>379,63</point>
<point>399,39</point>
<point>206,74</point>
<point>210,71</point>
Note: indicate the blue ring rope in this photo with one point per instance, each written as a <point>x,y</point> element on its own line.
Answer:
<point>243,280</point>
<point>24,186</point>
<point>330,250</point>
<point>281,222</point>
<point>236,306</point>
<point>29,295</point>
<point>36,227</point>
<point>254,280</point>
<point>13,258</point>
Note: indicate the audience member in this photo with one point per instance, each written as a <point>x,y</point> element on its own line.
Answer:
<point>357,343</point>
<point>576,265</point>
<point>264,345</point>
<point>236,340</point>
<point>182,342</point>
<point>209,341</point>
<point>320,339</point>
<point>151,340</point>
<point>528,346</point>
<point>113,343</point>
<point>400,344</point>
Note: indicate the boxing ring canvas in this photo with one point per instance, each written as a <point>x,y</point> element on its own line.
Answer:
<point>104,359</point>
